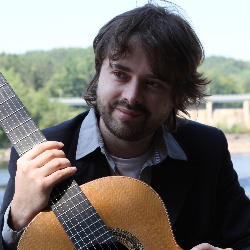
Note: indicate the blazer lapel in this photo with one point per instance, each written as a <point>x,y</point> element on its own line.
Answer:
<point>172,180</point>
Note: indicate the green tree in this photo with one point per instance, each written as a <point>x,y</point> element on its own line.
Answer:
<point>222,84</point>
<point>44,113</point>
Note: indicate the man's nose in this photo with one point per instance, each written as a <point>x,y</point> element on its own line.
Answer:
<point>132,92</point>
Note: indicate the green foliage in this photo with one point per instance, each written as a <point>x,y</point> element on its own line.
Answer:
<point>222,84</point>
<point>3,165</point>
<point>66,69</point>
<point>234,129</point>
<point>44,113</point>
<point>228,76</point>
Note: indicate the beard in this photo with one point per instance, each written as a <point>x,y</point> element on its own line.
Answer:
<point>129,130</point>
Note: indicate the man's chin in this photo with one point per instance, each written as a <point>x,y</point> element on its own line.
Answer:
<point>126,134</point>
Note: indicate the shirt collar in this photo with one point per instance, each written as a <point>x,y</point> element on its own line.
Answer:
<point>90,138</point>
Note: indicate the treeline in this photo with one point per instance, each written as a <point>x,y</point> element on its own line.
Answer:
<point>229,76</point>
<point>37,76</point>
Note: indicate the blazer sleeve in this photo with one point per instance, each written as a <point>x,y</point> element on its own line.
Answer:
<point>233,216</point>
<point>231,222</point>
<point>216,209</point>
<point>10,189</point>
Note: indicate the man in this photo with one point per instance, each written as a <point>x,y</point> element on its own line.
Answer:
<point>146,71</point>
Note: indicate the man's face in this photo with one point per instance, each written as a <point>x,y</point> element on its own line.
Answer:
<point>131,100</point>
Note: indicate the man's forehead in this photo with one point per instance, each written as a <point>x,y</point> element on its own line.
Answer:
<point>134,53</point>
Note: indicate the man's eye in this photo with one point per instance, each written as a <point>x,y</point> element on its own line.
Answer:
<point>154,84</point>
<point>119,74</point>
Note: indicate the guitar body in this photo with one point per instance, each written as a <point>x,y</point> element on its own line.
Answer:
<point>132,210</point>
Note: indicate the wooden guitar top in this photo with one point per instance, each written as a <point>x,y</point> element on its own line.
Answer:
<point>124,204</point>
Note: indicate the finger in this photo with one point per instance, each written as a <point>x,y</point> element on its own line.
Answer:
<point>46,157</point>
<point>206,246</point>
<point>54,165</point>
<point>60,175</point>
<point>40,148</point>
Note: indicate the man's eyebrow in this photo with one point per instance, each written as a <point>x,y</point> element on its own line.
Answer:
<point>153,76</point>
<point>156,77</point>
<point>119,66</point>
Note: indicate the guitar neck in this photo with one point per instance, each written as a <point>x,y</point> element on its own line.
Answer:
<point>16,121</point>
<point>77,216</point>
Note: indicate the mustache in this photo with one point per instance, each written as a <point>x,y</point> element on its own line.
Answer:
<point>123,103</point>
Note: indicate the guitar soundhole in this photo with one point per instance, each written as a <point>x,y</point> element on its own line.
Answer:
<point>125,241</point>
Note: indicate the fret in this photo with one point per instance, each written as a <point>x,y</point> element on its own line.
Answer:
<point>18,114</point>
<point>91,221</point>
<point>97,238</point>
<point>89,225</point>
<point>7,99</point>
<point>72,207</point>
<point>2,80</point>
<point>88,230</point>
<point>65,202</point>
<point>6,124</point>
<point>28,143</point>
<point>72,195</point>
<point>21,131</point>
<point>6,110</point>
<point>6,92</point>
<point>78,214</point>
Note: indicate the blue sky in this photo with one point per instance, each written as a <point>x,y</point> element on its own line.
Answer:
<point>26,25</point>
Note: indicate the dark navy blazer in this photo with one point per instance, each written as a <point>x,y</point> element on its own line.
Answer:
<point>202,195</point>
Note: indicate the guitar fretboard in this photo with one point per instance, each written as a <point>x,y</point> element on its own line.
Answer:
<point>16,122</point>
<point>78,217</point>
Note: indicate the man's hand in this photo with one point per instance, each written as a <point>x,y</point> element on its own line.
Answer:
<point>206,246</point>
<point>37,172</point>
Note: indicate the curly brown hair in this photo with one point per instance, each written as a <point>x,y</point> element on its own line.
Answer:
<point>171,46</point>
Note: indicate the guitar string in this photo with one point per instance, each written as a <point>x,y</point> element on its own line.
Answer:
<point>19,103</point>
<point>93,224</point>
<point>28,131</point>
<point>67,226</point>
<point>15,111</point>
<point>73,236</point>
<point>12,139</point>
<point>39,141</point>
<point>69,229</point>
<point>97,218</point>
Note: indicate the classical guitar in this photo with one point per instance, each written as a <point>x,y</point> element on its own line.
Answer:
<point>108,213</point>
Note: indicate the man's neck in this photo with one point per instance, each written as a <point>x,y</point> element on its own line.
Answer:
<point>124,149</point>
